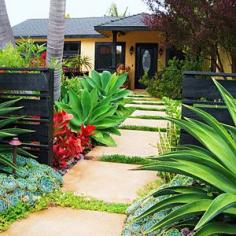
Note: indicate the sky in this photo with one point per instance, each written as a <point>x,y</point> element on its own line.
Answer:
<point>20,10</point>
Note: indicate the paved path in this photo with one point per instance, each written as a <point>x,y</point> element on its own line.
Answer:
<point>110,182</point>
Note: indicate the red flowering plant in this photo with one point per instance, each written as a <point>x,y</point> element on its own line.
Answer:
<point>68,145</point>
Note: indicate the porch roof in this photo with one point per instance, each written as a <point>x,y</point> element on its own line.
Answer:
<point>129,23</point>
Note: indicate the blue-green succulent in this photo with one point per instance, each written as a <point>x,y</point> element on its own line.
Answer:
<point>30,182</point>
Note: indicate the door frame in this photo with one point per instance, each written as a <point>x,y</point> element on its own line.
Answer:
<point>136,60</point>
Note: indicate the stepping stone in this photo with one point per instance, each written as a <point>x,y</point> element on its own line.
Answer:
<point>146,106</point>
<point>110,182</point>
<point>66,221</point>
<point>148,113</point>
<point>130,143</point>
<point>146,123</point>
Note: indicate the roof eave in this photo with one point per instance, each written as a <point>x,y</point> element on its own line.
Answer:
<point>121,28</point>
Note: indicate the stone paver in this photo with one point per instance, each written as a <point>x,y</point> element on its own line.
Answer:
<point>110,182</point>
<point>146,106</point>
<point>68,222</point>
<point>130,143</point>
<point>148,113</point>
<point>146,123</point>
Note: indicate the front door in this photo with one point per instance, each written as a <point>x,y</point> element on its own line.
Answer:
<point>146,61</point>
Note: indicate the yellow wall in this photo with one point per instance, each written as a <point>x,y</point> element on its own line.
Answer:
<point>131,39</point>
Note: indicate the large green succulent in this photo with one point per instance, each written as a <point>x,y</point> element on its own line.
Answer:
<point>211,205</point>
<point>89,109</point>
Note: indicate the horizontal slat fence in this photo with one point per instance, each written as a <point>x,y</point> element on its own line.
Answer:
<point>199,90</point>
<point>35,88</point>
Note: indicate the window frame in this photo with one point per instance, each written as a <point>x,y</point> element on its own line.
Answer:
<point>98,44</point>
<point>73,42</point>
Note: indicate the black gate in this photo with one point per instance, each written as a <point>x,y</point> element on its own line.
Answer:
<point>200,90</point>
<point>35,88</point>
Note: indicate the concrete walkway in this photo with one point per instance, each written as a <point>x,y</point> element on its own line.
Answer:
<point>110,182</point>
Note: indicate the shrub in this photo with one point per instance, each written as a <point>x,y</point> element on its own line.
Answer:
<point>209,205</point>
<point>167,83</point>
<point>68,145</point>
<point>99,103</point>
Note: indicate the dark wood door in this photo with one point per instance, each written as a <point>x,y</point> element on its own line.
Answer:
<point>146,61</point>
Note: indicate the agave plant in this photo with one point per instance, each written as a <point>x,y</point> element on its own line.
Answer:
<point>209,206</point>
<point>5,108</point>
<point>88,109</point>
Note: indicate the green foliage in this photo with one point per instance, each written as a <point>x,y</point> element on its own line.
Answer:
<point>213,165</point>
<point>125,159</point>
<point>30,52</point>
<point>100,103</point>
<point>10,57</point>
<point>141,205</point>
<point>148,108</point>
<point>58,198</point>
<point>6,132</point>
<point>168,82</point>
<point>73,84</point>
<point>78,63</point>
<point>142,128</point>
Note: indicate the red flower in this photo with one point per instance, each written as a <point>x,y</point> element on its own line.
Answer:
<point>43,56</point>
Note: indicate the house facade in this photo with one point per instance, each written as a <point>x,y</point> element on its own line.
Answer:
<point>107,41</point>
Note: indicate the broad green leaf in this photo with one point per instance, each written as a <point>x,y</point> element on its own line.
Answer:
<point>216,228</point>
<point>218,205</point>
<point>228,99</point>
<point>171,202</point>
<point>103,138</point>
<point>105,77</point>
<point>187,210</point>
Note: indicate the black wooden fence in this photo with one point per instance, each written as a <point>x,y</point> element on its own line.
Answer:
<point>35,87</point>
<point>200,90</point>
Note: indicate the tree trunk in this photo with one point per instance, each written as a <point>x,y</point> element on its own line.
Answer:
<point>6,34</point>
<point>55,40</point>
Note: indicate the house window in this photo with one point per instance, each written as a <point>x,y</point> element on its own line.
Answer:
<point>71,49</point>
<point>103,55</point>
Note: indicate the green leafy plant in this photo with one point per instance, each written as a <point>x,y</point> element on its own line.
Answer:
<point>78,63</point>
<point>88,109</point>
<point>6,132</point>
<point>210,204</point>
<point>167,83</point>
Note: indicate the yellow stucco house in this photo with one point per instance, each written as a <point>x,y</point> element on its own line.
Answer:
<point>108,41</point>
<point>99,37</point>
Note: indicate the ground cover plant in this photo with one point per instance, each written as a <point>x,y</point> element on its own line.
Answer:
<point>206,207</point>
<point>99,103</point>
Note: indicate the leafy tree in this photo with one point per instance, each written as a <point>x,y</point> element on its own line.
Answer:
<point>198,27</point>
<point>6,35</point>
<point>114,12</point>
<point>55,41</point>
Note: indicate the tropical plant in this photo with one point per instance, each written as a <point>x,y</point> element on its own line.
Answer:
<point>6,34</point>
<point>209,206</point>
<point>78,63</point>
<point>6,132</point>
<point>114,12</point>
<point>55,41</point>
<point>88,109</point>
<point>31,52</point>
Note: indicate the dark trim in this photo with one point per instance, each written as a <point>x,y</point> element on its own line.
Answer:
<point>66,36</point>
<point>209,73</point>
<point>122,28</point>
<point>123,44</point>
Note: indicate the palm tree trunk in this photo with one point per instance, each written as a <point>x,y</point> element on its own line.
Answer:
<point>6,34</point>
<point>55,40</point>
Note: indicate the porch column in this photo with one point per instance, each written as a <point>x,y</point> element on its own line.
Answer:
<point>114,43</point>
